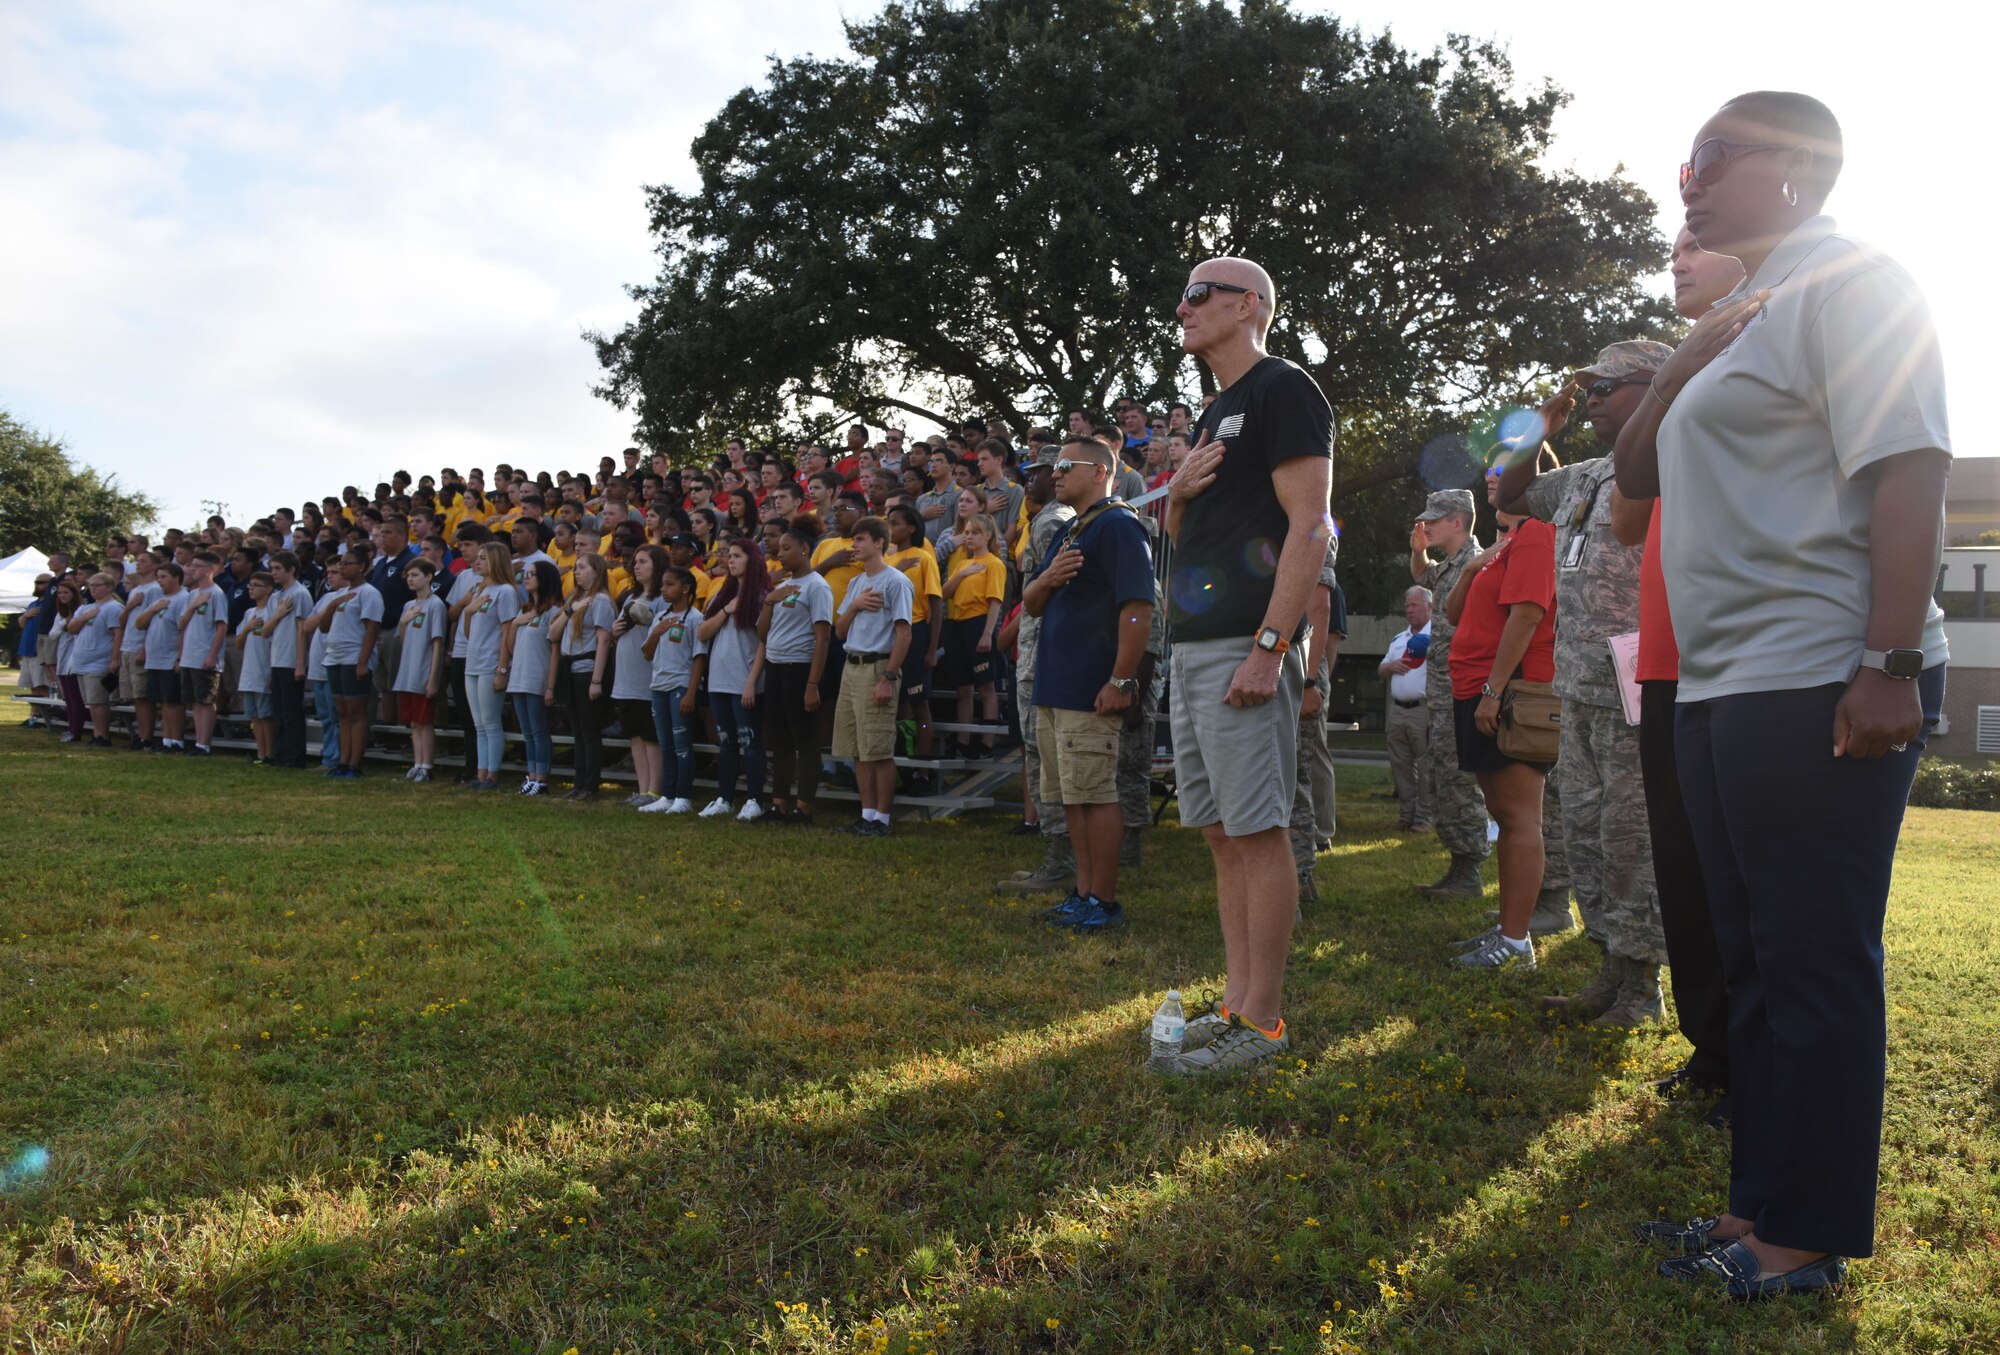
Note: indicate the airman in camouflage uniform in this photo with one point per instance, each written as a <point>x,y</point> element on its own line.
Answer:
<point>1135,745</point>
<point>1457,806</point>
<point>1306,818</point>
<point>1605,830</point>
<point>1058,869</point>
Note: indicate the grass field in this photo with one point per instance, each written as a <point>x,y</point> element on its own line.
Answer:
<point>375,1067</point>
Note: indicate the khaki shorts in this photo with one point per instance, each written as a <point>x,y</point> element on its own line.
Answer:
<point>863,730</point>
<point>96,691</point>
<point>1079,751</point>
<point>132,675</point>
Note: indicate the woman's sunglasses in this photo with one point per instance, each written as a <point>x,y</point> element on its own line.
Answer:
<point>1198,292</point>
<point>1711,158</point>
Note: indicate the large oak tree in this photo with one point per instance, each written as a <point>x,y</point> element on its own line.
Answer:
<point>991,207</point>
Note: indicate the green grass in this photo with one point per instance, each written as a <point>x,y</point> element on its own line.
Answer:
<point>385,1068</point>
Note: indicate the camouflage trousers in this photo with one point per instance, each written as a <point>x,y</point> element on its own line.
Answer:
<point>1458,808</point>
<point>1605,832</point>
<point>1311,819</point>
<point>1055,823</point>
<point>1555,853</point>
<point>1135,765</point>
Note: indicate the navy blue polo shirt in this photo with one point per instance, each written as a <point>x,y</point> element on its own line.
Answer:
<point>1078,642</point>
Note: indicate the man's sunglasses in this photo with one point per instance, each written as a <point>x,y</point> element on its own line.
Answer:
<point>1602,387</point>
<point>1198,292</point>
<point>1065,466</point>
<point>1711,158</point>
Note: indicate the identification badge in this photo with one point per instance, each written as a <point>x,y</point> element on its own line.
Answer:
<point>1573,553</point>
<point>676,633</point>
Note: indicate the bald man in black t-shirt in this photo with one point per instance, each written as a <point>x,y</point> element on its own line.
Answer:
<point>1248,515</point>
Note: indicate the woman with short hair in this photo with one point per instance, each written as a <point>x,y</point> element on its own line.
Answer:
<point>1799,444</point>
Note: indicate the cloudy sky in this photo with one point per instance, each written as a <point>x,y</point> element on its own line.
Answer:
<point>251,252</point>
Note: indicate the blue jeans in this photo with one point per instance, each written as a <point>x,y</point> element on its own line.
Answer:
<point>329,724</point>
<point>676,744</point>
<point>488,732</point>
<point>739,737</point>
<point>533,713</point>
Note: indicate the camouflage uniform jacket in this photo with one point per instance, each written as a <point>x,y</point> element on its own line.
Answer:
<point>1597,580</point>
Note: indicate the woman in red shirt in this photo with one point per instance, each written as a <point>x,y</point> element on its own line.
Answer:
<point>1503,609</point>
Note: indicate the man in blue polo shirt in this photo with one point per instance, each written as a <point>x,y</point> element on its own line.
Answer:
<point>1094,596</point>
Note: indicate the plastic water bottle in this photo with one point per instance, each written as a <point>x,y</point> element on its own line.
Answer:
<point>1169,1030</point>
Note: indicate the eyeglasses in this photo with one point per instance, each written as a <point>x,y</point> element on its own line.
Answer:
<point>1711,158</point>
<point>1065,466</point>
<point>1198,292</point>
<point>1602,388</point>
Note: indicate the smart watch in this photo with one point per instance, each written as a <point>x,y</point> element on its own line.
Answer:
<point>1901,664</point>
<point>1271,642</point>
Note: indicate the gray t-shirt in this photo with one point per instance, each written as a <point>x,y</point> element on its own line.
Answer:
<point>483,619</point>
<point>285,629</point>
<point>93,650</point>
<point>163,636</point>
<point>678,647</point>
<point>579,639</point>
<point>316,656</point>
<point>808,602</point>
<point>202,613</point>
<point>631,672</point>
<point>1765,500</point>
<point>413,656</point>
<point>528,667</point>
<point>353,609</point>
<point>875,632</point>
<point>138,600</point>
<point>947,499</point>
<point>730,651</point>
<point>461,589</point>
<point>255,674</point>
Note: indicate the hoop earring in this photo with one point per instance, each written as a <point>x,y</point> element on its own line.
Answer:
<point>1790,194</point>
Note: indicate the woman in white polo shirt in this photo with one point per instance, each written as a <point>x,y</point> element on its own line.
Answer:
<point>1802,449</point>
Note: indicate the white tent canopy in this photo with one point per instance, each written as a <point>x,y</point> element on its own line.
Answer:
<point>17,579</point>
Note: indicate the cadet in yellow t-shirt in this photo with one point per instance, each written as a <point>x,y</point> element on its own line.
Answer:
<point>912,554</point>
<point>975,585</point>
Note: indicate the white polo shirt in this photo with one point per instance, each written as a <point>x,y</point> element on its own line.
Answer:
<point>1763,457</point>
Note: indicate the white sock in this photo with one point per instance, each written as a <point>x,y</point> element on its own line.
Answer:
<point>1521,947</point>
<point>872,816</point>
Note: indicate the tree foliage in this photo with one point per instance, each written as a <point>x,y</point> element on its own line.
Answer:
<point>992,206</point>
<point>52,504</point>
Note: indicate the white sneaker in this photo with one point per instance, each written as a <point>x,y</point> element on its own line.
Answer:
<point>681,807</point>
<point>659,804</point>
<point>750,813</point>
<point>716,808</point>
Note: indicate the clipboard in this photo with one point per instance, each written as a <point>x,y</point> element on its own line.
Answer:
<point>1625,662</point>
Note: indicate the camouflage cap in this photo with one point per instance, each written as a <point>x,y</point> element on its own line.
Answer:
<point>1446,502</point>
<point>1628,357</point>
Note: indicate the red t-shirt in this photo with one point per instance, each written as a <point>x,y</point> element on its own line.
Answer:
<point>1659,655</point>
<point>1525,572</point>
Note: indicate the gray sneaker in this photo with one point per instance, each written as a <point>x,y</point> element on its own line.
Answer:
<point>1232,1051</point>
<point>1203,1030</point>
<point>1472,943</point>
<point>1498,953</point>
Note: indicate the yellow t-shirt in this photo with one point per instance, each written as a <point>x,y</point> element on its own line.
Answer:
<point>837,579</point>
<point>975,593</point>
<point>923,575</point>
<point>618,580</point>
<point>705,585</point>
<point>1019,539</point>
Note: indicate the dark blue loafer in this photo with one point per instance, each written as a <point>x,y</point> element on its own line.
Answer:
<point>1735,1265</point>
<point>1683,1239</point>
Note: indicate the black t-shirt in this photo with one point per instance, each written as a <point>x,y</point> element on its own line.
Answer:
<point>1226,557</point>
